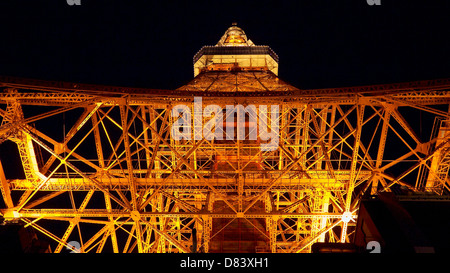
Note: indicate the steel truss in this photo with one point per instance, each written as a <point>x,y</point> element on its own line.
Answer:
<point>100,166</point>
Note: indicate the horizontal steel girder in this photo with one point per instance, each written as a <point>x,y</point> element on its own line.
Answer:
<point>195,184</point>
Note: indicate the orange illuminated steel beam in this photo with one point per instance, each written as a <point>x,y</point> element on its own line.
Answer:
<point>5,188</point>
<point>82,184</point>
<point>426,92</point>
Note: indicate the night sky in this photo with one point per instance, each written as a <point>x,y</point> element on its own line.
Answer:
<point>151,43</point>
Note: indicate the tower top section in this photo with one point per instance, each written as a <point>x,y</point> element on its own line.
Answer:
<point>235,52</point>
<point>234,36</point>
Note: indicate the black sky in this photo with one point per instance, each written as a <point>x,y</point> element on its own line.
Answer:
<point>151,43</point>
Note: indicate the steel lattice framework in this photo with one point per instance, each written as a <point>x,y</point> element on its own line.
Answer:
<point>99,165</point>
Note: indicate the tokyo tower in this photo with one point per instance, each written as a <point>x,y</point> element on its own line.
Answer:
<point>236,160</point>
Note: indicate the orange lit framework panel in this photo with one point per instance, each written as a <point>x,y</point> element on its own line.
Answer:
<point>100,167</point>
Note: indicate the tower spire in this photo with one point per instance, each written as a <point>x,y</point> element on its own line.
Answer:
<point>236,50</point>
<point>234,36</point>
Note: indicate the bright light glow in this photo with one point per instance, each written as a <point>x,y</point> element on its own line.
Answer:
<point>234,39</point>
<point>347,216</point>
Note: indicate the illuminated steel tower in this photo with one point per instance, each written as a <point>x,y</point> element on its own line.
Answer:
<point>102,170</point>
